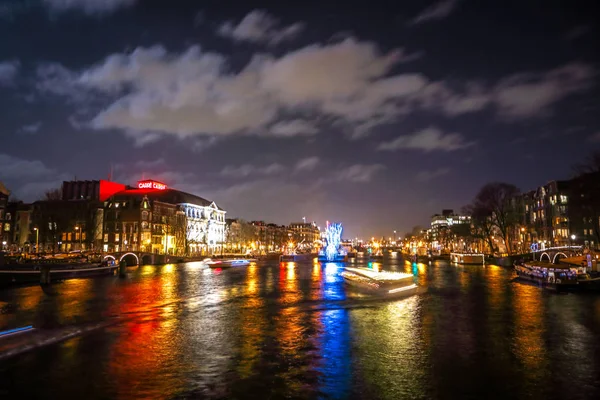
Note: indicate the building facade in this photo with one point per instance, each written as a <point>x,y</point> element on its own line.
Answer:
<point>5,217</point>
<point>304,234</point>
<point>154,218</point>
<point>445,228</point>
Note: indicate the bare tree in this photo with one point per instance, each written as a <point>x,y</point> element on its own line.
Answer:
<point>590,165</point>
<point>482,226</point>
<point>496,202</point>
<point>52,194</point>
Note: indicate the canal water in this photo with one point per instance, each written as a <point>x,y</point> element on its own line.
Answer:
<point>270,331</point>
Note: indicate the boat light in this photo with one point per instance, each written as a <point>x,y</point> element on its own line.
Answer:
<point>401,289</point>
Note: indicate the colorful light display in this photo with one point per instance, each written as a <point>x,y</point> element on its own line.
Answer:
<point>333,235</point>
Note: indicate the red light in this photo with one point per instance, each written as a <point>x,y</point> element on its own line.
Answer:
<point>107,189</point>
<point>150,184</point>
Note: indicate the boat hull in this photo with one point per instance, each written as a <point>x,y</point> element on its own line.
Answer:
<point>296,258</point>
<point>468,259</point>
<point>21,275</point>
<point>540,276</point>
<point>337,258</point>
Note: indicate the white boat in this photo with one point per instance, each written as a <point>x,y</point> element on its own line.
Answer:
<point>380,283</point>
<point>467,258</point>
<point>238,262</point>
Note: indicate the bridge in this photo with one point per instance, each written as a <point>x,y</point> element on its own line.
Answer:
<point>554,254</point>
<point>141,257</point>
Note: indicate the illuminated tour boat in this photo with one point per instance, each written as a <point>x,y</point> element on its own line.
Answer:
<point>551,276</point>
<point>380,283</point>
<point>467,258</point>
<point>238,262</point>
<point>333,250</point>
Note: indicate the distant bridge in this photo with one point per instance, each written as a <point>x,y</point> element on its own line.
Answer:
<point>554,254</point>
<point>140,257</point>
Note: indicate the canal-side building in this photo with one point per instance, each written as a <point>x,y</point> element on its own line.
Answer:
<point>5,217</point>
<point>72,218</point>
<point>305,234</point>
<point>155,218</point>
<point>561,213</point>
<point>442,233</point>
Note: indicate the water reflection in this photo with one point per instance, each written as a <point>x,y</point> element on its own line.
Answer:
<point>294,330</point>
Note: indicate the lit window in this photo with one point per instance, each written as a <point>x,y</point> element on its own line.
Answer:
<point>563,199</point>
<point>116,237</point>
<point>106,237</point>
<point>7,226</point>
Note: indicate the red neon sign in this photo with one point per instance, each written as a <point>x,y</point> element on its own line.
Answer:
<point>149,184</point>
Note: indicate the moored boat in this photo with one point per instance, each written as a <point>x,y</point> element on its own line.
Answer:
<point>380,283</point>
<point>467,258</point>
<point>550,276</point>
<point>586,282</point>
<point>294,257</point>
<point>31,273</point>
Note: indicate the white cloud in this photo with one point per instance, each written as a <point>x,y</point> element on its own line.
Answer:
<point>28,179</point>
<point>150,92</point>
<point>246,170</point>
<point>307,164</point>
<point>439,10</point>
<point>89,6</point>
<point>53,78</point>
<point>426,176</point>
<point>8,71</point>
<point>296,127</point>
<point>358,173</point>
<point>523,95</point>
<point>429,139</point>
<point>517,96</point>
<point>258,26</point>
<point>31,128</point>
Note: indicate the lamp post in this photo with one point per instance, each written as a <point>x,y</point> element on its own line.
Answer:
<point>572,239</point>
<point>3,244</point>
<point>37,239</point>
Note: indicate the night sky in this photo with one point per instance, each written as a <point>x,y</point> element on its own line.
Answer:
<point>376,116</point>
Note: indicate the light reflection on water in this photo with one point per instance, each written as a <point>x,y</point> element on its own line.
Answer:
<point>295,331</point>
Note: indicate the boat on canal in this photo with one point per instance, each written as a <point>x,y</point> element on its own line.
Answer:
<point>236,262</point>
<point>550,276</point>
<point>383,283</point>
<point>30,273</point>
<point>468,258</point>
<point>296,257</point>
<point>27,269</point>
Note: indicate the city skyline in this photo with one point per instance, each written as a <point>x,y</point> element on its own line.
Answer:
<point>377,118</point>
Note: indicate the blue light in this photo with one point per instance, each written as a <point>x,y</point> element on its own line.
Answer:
<point>333,236</point>
<point>16,330</point>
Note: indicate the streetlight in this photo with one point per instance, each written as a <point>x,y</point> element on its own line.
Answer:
<point>3,244</point>
<point>78,233</point>
<point>572,239</point>
<point>37,239</point>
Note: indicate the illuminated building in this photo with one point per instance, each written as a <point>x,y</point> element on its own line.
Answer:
<point>443,226</point>
<point>305,233</point>
<point>155,218</point>
<point>5,218</point>
<point>554,213</point>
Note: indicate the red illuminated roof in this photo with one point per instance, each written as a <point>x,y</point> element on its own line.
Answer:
<point>108,188</point>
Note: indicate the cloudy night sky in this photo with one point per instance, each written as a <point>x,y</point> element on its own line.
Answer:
<point>376,116</point>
